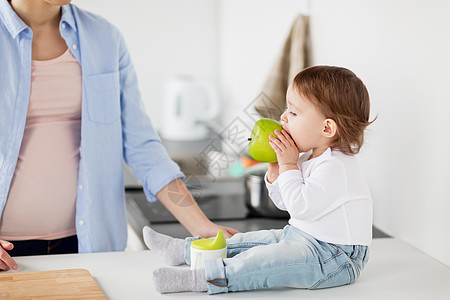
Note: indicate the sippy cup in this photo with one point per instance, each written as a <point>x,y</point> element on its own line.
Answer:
<point>204,249</point>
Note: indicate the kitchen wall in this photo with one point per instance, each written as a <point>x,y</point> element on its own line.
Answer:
<point>398,48</point>
<point>165,38</point>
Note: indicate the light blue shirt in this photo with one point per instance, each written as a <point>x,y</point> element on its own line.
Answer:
<point>114,125</point>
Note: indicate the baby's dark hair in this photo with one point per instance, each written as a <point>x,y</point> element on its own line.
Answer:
<point>341,96</point>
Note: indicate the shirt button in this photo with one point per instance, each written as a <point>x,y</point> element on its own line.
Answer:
<point>79,149</point>
<point>74,47</point>
<point>80,186</point>
<point>63,25</point>
<point>81,222</point>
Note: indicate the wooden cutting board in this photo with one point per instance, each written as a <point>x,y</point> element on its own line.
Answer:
<point>58,284</point>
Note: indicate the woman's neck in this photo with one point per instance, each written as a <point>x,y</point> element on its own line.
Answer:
<point>37,14</point>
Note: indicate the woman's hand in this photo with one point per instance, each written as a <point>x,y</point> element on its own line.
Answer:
<point>212,229</point>
<point>286,150</point>
<point>6,262</point>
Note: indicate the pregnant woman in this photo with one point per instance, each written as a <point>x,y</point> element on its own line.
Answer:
<point>71,113</point>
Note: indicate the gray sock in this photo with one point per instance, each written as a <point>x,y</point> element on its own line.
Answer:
<point>169,248</point>
<point>171,280</point>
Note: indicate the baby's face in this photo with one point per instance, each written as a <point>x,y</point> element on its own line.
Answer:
<point>303,121</point>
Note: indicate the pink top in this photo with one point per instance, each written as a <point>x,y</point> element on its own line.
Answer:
<point>42,196</point>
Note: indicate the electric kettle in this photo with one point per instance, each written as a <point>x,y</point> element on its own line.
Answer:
<point>188,105</point>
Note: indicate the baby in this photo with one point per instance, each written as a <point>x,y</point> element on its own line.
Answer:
<point>323,190</point>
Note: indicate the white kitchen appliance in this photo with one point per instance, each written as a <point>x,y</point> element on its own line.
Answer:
<point>188,106</point>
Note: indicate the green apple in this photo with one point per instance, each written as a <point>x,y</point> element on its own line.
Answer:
<point>259,148</point>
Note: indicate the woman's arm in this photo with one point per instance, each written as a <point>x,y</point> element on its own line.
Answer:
<point>176,198</point>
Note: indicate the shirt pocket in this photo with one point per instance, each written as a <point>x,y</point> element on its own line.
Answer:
<point>103,97</point>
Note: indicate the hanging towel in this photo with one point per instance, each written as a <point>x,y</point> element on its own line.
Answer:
<point>294,57</point>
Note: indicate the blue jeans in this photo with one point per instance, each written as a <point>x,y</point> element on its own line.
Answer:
<point>281,258</point>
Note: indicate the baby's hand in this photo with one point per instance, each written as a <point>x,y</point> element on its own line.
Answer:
<point>272,172</point>
<point>286,150</point>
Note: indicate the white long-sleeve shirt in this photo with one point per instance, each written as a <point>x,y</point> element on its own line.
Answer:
<point>328,198</point>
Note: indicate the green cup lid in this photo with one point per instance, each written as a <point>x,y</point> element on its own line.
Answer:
<point>210,244</point>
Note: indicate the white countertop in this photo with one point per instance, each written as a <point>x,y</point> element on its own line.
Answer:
<point>395,271</point>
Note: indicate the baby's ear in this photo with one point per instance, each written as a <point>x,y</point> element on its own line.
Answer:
<point>329,128</point>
